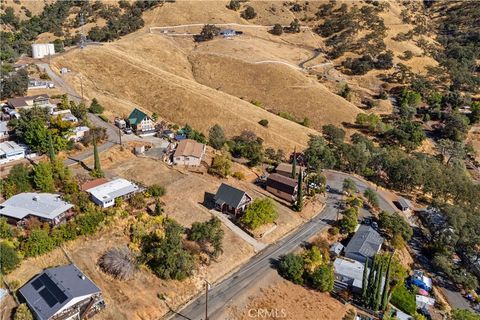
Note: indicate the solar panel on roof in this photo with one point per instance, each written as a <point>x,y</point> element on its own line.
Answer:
<point>37,284</point>
<point>48,297</point>
<point>54,289</point>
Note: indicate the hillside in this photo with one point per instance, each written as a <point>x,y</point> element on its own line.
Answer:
<point>149,84</point>
<point>297,75</point>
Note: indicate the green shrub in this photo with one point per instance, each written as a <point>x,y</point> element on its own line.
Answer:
<point>291,267</point>
<point>238,175</point>
<point>137,201</point>
<point>277,29</point>
<point>263,122</point>
<point>9,259</point>
<point>96,107</point>
<point>89,223</point>
<point>156,190</point>
<point>403,299</point>
<point>37,243</point>
<point>23,313</point>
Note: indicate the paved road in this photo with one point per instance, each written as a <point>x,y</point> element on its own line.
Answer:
<point>59,82</point>
<point>221,294</point>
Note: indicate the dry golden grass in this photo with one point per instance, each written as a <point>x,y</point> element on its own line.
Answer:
<point>142,75</point>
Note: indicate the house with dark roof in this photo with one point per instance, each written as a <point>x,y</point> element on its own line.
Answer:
<point>282,186</point>
<point>365,243</point>
<point>141,123</point>
<point>62,292</point>
<point>232,200</point>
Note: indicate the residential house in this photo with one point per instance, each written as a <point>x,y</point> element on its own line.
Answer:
<point>78,133</point>
<point>365,243</point>
<point>282,186</point>
<point>63,292</point>
<point>404,204</point>
<point>39,84</point>
<point>10,151</point>
<point>40,100</point>
<point>189,153</point>
<point>65,115</point>
<point>141,123</point>
<point>46,207</point>
<point>285,169</point>
<point>105,194</point>
<point>4,132</point>
<point>348,274</point>
<point>419,279</point>
<point>232,200</point>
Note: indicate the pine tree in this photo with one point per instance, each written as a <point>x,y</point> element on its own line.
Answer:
<point>386,288</point>
<point>97,169</point>
<point>365,280</point>
<point>300,191</point>
<point>294,164</point>
<point>51,150</point>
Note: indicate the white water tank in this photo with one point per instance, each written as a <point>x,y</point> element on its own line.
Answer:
<point>40,50</point>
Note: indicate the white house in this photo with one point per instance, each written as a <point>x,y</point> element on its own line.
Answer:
<point>66,115</point>
<point>47,207</point>
<point>3,130</point>
<point>105,194</point>
<point>78,133</point>
<point>10,151</point>
<point>189,153</point>
<point>348,274</point>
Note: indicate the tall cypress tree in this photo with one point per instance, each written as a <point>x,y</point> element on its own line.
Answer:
<point>386,287</point>
<point>365,280</point>
<point>378,288</point>
<point>371,283</point>
<point>294,164</point>
<point>97,169</point>
<point>300,191</point>
<point>51,150</point>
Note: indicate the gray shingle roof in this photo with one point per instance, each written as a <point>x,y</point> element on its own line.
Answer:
<point>54,288</point>
<point>43,205</point>
<point>229,195</point>
<point>366,242</point>
<point>404,203</point>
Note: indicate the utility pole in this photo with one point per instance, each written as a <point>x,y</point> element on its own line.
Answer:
<point>207,287</point>
<point>120,135</point>
<point>81,86</point>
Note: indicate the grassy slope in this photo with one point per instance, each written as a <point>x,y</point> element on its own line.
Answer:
<point>202,83</point>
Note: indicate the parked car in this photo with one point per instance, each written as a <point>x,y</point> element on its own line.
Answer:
<point>128,130</point>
